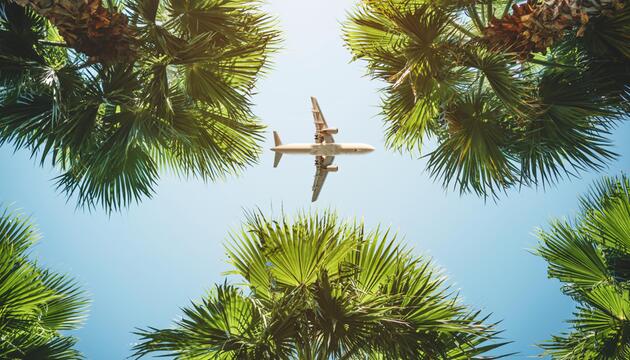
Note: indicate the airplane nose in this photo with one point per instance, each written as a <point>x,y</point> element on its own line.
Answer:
<point>370,148</point>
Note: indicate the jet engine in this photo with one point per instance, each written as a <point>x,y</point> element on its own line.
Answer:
<point>332,168</point>
<point>330,131</point>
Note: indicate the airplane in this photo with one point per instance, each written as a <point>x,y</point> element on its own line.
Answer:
<point>324,149</point>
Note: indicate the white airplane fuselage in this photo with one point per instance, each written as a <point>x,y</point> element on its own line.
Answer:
<point>324,149</point>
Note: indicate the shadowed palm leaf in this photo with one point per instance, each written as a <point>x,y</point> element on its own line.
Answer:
<point>320,288</point>
<point>182,104</point>
<point>501,118</point>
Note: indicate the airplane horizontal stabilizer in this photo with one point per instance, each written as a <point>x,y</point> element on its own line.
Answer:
<point>276,139</point>
<point>276,160</point>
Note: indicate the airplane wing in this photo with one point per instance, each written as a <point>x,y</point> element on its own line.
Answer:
<point>320,124</point>
<point>320,174</point>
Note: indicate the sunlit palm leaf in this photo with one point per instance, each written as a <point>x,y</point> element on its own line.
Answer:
<point>321,288</point>
<point>553,114</point>
<point>36,304</point>
<point>591,259</point>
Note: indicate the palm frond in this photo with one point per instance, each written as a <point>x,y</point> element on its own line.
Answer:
<point>573,258</point>
<point>475,156</point>
<point>183,104</point>
<point>591,258</point>
<point>553,115</point>
<point>318,287</point>
<point>609,35</point>
<point>606,211</point>
<point>37,304</point>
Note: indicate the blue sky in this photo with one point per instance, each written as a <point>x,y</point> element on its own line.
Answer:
<point>140,266</point>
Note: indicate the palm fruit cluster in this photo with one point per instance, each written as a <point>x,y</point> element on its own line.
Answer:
<point>86,26</point>
<point>534,26</point>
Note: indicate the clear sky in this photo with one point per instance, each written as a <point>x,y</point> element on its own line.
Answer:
<point>140,266</point>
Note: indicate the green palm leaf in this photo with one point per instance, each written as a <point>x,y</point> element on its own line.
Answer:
<point>551,116</point>
<point>36,304</point>
<point>591,258</point>
<point>316,287</point>
<point>183,104</point>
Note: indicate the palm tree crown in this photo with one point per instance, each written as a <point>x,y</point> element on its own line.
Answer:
<point>87,26</point>
<point>318,288</point>
<point>180,102</point>
<point>472,75</point>
<point>591,257</point>
<point>35,304</point>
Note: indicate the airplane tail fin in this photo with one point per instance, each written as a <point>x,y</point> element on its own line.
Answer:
<point>276,160</point>
<point>278,142</point>
<point>276,139</point>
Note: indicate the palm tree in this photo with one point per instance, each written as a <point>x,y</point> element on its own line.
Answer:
<point>88,27</point>
<point>535,26</point>
<point>591,257</point>
<point>36,304</point>
<point>319,288</point>
<point>503,114</point>
<point>181,102</point>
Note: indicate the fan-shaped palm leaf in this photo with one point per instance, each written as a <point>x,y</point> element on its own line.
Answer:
<point>320,288</point>
<point>551,116</point>
<point>182,103</point>
<point>36,304</point>
<point>591,259</point>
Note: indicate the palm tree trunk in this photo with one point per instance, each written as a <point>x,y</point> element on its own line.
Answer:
<point>102,34</point>
<point>535,25</point>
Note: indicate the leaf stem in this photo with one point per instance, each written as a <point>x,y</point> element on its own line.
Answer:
<point>549,63</point>
<point>481,81</point>
<point>490,11</point>
<point>53,43</point>
<point>84,65</point>
<point>508,5</point>
<point>472,10</point>
<point>463,30</point>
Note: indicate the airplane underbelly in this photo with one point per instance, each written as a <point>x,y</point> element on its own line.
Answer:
<point>325,150</point>
<point>296,151</point>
